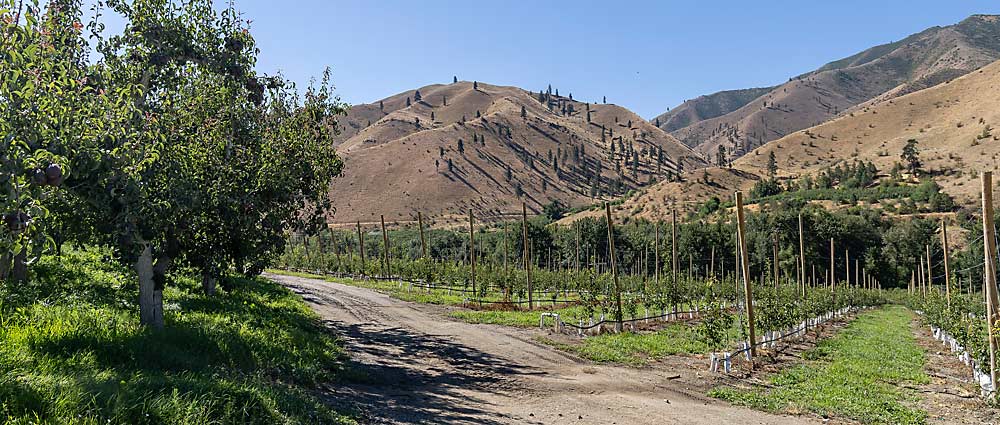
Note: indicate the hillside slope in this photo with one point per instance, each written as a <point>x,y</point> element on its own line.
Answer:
<point>954,124</point>
<point>474,145</point>
<point>707,107</point>
<point>887,71</point>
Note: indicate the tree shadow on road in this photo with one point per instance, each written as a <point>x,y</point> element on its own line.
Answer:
<point>399,376</point>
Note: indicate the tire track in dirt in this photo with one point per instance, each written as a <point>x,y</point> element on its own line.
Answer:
<point>417,365</point>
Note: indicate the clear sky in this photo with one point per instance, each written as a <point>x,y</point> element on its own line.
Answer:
<point>644,55</point>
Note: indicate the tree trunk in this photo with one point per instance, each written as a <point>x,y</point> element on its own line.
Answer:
<point>19,271</point>
<point>150,299</point>
<point>4,266</point>
<point>208,281</point>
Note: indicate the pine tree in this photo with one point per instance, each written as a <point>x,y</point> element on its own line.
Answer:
<point>432,116</point>
<point>461,146</point>
<point>509,174</point>
<point>604,100</point>
<point>444,100</point>
<point>772,165</point>
<point>407,101</point>
<point>911,154</point>
<point>477,114</point>
<point>524,112</point>
<point>451,166</point>
<point>416,95</point>
<point>475,85</point>
<point>454,79</point>
<point>441,151</point>
<point>381,107</point>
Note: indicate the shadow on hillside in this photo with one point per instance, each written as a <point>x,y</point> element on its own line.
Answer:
<point>406,377</point>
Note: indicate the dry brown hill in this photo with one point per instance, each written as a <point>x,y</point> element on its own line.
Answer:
<point>919,61</point>
<point>706,107</point>
<point>954,124</point>
<point>475,145</point>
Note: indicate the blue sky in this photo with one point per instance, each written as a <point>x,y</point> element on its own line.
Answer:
<point>644,55</point>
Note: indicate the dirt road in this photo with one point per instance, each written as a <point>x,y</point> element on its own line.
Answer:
<point>418,366</point>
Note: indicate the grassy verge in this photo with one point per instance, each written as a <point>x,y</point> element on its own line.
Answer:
<point>854,374</point>
<point>72,351</point>
<point>638,349</point>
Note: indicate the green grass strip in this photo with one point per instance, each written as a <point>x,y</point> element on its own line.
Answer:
<point>856,374</point>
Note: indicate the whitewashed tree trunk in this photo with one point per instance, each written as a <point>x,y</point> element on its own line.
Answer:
<point>150,299</point>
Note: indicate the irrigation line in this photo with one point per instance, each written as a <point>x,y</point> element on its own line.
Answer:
<point>828,317</point>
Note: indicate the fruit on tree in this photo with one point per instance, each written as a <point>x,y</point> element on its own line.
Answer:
<point>53,174</point>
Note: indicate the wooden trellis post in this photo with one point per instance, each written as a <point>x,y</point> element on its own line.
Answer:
<point>745,271</point>
<point>989,278</point>
<point>774,238</point>
<point>527,254</point>
<point>656,255</point>
<point>847,269</point>
<point>930,274</point>
<point>802,258</point>
<point>833,276</point>
<point>385,247</point>
<point>361,247</point>
<point>614,270</point>
<point>673,246</point>
<point>711,263</point>
<point>423,242</point>
<point>947,270</point>
<point>472,253</point>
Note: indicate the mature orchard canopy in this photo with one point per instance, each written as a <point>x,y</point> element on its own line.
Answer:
<point>180,152</point>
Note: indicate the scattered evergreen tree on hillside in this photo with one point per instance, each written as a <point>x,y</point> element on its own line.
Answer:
<point>911,155</point>
<point>524,112</point>
<point>772,165</point>
<point>454,79</point>
<point>416,95</point>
